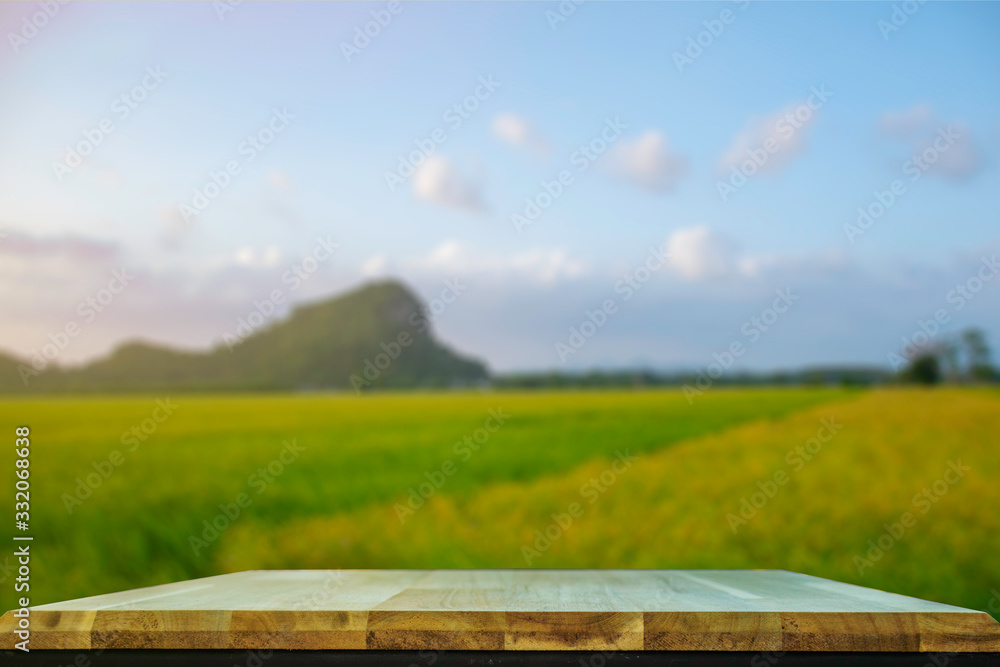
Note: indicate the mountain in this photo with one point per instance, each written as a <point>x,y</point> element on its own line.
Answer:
<point>375,337</point>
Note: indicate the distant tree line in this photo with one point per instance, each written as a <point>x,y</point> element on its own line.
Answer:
<point>852,376</point>
<point>964,359</point>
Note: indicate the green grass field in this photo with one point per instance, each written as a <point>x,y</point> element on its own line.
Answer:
<point>342,495</point>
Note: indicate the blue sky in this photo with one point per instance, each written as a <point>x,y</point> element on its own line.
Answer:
<point>555,87</point>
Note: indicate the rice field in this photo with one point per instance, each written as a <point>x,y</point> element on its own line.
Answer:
<point>896,489</point>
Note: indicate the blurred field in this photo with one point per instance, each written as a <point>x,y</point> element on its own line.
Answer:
<point>337,504</point>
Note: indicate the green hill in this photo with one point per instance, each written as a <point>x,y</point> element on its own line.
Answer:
<point>375,337</point>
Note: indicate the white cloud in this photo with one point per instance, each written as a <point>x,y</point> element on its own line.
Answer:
<point>72,248</point>
<point>698,252</point>
<point>780,140</point>
<point>249,256</point>
<point>648,163</point>
<point>43,281</point>
<point>374,265</point>
<point>109,178</point>
<point>34,270</point>
<point>537,265</point>
<point>962,159</point>
<point>548,266</point>
<point>517,131</point>
<point>175,228</point>
<point>524,301</point>
<point>438,181</point>
<point>280,180</point>
<point>925,132</point>
<point>904,124</point>
<point>448,254</point>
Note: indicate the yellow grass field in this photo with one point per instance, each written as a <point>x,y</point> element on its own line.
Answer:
<point>890,455</point>
<point>896,489</point>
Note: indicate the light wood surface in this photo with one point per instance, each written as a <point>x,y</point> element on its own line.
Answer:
<point>509,610</point>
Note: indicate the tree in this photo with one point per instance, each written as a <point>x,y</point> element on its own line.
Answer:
<point>977,354</point>
<point>923,369</point>
<point>949,353</point>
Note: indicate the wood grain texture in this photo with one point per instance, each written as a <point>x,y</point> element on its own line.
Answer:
<point>510,610</point>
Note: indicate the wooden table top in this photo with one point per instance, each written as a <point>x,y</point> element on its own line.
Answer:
<point>506,610</point>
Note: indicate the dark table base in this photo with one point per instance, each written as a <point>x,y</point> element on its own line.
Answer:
<point>255,658</point>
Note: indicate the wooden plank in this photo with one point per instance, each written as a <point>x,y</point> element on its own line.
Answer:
<point>509,610</point>
<point>574,631</point>
<point>712,631</point>
<point>298,629</point>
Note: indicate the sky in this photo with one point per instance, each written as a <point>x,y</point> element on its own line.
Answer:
<point>602,185</point>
